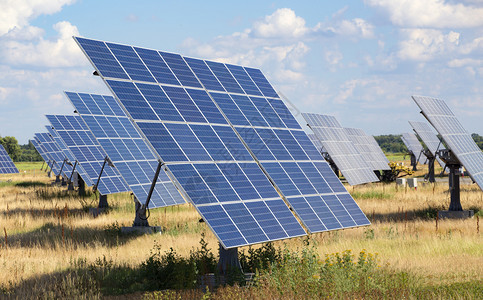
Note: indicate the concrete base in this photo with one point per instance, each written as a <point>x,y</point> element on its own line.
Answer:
<point>141,230</point>
<point>455,214</point>
<point>97,211</point>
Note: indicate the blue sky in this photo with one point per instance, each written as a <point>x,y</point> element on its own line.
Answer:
<point>357,60</point>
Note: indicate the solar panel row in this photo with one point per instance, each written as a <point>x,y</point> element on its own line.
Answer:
<point>368,148</point>
<point>221,129</point>
<point>429,138</point>
<point>124,145</point>
<point>455,136</point>
<point>87,151</point>
<point>55,154</point>
<point>340,148</point>
<point>412,143</point>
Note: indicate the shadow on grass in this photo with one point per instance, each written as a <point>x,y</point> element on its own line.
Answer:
<point>62,235</point>
<point>428,213</point>
<point>38,213</point>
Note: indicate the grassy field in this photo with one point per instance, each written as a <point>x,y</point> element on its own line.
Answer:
<point>49,242</point>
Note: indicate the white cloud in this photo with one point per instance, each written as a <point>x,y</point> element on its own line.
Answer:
<point>426,44</point>
<point>283,23</point>
<point>464,62</point>
<point>16,49</point>
<point>357,28</point>
<point>430,13</point>
<point>18,13</point>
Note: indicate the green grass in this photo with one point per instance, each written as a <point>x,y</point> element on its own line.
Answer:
<point>26,166</point>
<point>396,156</point>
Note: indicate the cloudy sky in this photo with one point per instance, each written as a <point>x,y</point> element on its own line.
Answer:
<point>358,60</point>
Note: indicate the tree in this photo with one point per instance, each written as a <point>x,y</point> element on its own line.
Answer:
<point>11,145</point>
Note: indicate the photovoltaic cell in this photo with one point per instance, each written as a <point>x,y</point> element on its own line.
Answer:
<point>340,148</point>
<point>124,145</point>
<point>207,151</point>
<point>6,164</point>
<point>88,152</point>
<point>40,150</point>
<point>368,148</point>
<point>455,136</point>
<point>429,138</point>
<point>412,143</point>
<point>316,142</point>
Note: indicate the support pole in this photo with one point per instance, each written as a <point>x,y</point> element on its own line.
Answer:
<point>71,183</point>
<point>49,173</point>
<point>103,201</point>
<point>153,184</point>
<point>431,159</point>
<point>42,166</point>
<point>454,187</point>
<point>414,161</point>
<point>141,219</point>
<point>106,159</point>
<point>82,187</point>
<point>229,262</point>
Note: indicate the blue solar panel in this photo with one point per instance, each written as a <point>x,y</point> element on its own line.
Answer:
<point>55,154</point>
<point>68,154</point>
<point>212,172</point>
<point>88,152</point>
<point>6,164</point>
<point>40,150</point>
<point>126,148</point>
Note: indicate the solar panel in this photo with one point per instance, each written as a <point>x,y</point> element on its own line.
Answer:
<point>124,145</point>
<point>6,164</point>
<point>68,154</point>
<point>52,150</point>
<point>201,117</point>
<point>455,136</point>
<point>40,150</point>
<point>412,143</point>
<point>340,148</point>
<point>368,148</point>
<point>429,138</point>
<point>316,142</point>
<point>89,154</point>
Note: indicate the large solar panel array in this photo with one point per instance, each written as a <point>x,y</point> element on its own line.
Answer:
<point>214,125</point>
<point>429,138</point>
<point>412,143</point>
<point>67,153</point>
<point>52,150</point>
<point>340,148</point>
<point>87,151</point>
<point>6,164</point>
<point>368,148</point>
<point>124,145</point>
<point>455,136</point>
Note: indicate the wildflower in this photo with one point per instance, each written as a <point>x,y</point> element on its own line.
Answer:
<point>316,276</point>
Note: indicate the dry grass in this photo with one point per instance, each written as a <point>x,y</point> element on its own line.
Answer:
<point>48,235</point>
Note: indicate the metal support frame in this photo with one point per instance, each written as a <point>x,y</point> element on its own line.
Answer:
<point>431,159</point>
<point>229,262</point>
<point>141,218</point>
<point>414,160</point>
<point>108,161</point>
<point>454,166</point>
<point>49,173</point>
<point>70,183</point>
<point>332,164</point>
<point>41,168</point>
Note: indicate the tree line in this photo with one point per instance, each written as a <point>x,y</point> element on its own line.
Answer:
<point>389,143</point>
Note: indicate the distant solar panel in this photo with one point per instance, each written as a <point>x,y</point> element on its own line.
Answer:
<point>455,136</point>
<point>340,148</point>
<point>412,143</point>
<point>6,164</point>
<point>68,154</point>
<point>53,151</point>
<point>316,142</point>
<point>40,150</point>
<point>88,153</point>
<point>429,138</point>
<point>368,148</point>
<point>210,160</point>
<point>126,148</point>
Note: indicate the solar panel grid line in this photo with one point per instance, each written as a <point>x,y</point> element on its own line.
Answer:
<point>40,150</point>
<point>119,90</point>
<point>412,143</point>
<point>429,138</point>
<point>7,165</point>
<point>66,156</point>
<point>126,148</point>
<point>456,137</point>
<point>88,153</point>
